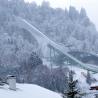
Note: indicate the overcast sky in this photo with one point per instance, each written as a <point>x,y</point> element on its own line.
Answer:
<point>91,6</point>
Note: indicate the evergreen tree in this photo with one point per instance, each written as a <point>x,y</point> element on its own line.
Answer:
<point>88,78</point>
<point>72,88</point>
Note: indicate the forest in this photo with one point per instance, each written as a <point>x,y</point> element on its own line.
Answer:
<point>19,52</point>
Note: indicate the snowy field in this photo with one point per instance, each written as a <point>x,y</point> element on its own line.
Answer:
<point>27,91</point>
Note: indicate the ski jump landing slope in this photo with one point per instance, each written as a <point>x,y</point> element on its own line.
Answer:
<point>44,40</point>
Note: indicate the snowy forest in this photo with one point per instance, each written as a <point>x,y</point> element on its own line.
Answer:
<point>19,52</point>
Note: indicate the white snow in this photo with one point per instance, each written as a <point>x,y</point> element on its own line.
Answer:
<point>27,91</point>
<point>79,76</point>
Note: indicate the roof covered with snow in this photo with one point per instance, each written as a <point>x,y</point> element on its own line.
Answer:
<point>27,91</point>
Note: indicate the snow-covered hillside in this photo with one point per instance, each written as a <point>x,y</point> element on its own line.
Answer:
<point>83,85</point>
<point>27,91</point>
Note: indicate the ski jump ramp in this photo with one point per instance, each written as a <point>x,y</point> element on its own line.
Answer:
<point>46,42</point>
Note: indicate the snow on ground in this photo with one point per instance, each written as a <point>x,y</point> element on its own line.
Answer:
<point>79,76</point>
<point>27,91</point>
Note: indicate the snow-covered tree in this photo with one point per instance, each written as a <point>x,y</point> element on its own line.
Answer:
<point>88,78</point>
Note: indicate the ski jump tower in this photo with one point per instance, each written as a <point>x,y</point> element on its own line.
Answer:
<point>45,42</point>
